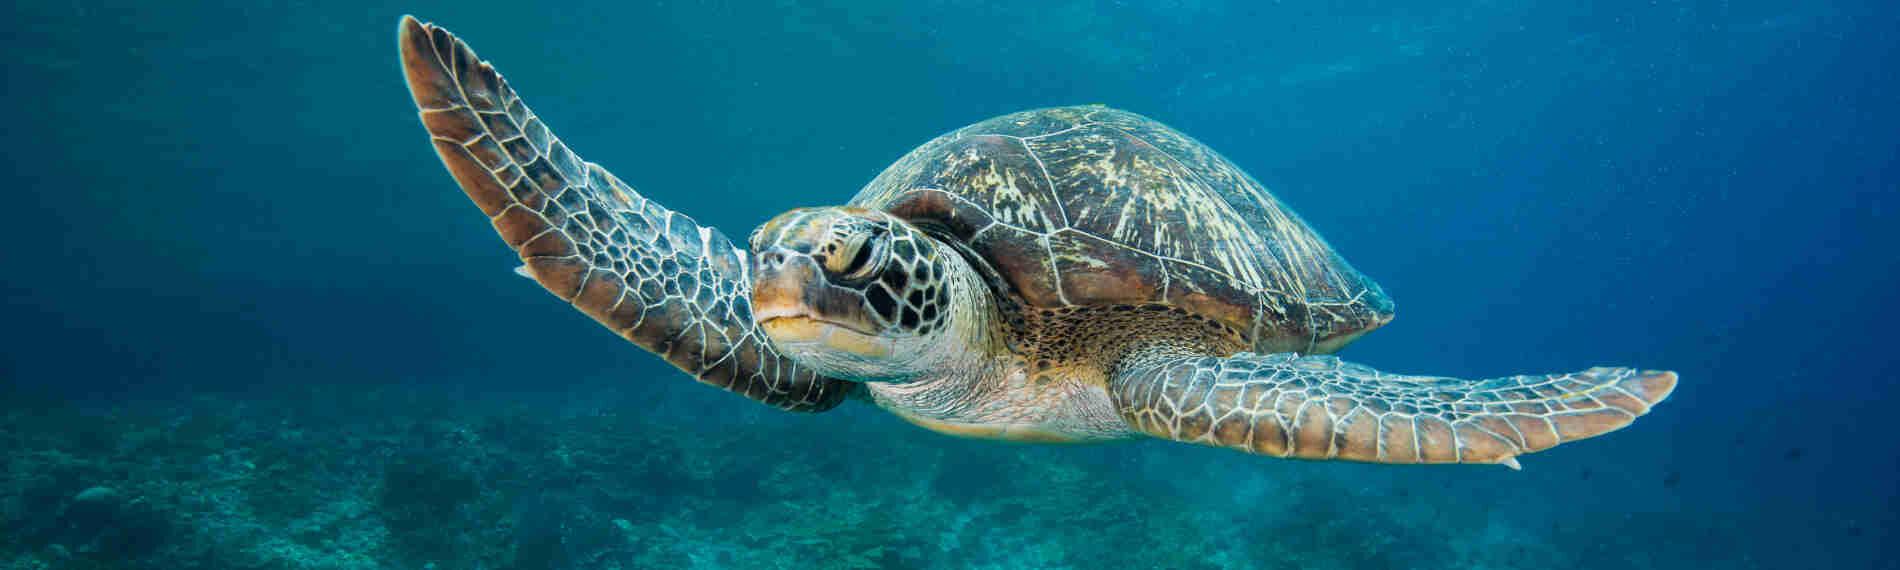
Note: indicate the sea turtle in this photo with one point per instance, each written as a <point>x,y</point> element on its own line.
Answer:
<point>1067,274</point>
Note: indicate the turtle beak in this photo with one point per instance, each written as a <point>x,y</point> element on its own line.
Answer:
<point>779,279</point>
<point>791,295</point>
<point>796,307</point>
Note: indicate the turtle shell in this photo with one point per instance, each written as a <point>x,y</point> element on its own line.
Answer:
<point>1090,206</point>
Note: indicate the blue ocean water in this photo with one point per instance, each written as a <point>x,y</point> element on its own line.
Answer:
<point>235,206</point>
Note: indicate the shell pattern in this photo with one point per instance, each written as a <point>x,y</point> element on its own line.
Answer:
<point>1090,206</point>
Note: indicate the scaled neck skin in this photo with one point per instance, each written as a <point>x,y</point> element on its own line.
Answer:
<point>968,360</point>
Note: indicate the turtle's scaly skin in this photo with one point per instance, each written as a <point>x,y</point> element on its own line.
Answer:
<point>1091,206</point>
<point>650,274</point>
<point>1319,407</point>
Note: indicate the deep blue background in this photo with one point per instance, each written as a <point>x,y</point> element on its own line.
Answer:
<point>218,198</point>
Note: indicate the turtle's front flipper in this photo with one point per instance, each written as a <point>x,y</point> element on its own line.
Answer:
<point>652,275</point>
<point>1320,407</point>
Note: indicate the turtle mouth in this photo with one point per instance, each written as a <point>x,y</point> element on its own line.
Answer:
<point>804,329</point>
<point>800,316</point>
<point>809,321</point>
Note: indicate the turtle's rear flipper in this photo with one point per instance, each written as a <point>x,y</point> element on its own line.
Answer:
<point>1319,407</point>
<point>652,275</point>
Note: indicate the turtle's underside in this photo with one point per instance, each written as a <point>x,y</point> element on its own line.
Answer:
<point>1065,274</point>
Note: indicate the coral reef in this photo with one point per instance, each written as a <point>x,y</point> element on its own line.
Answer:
<point>418,480</point>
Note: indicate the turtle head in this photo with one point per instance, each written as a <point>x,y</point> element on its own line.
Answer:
<point>854,293</point>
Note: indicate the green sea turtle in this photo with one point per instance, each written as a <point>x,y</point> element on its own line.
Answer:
<point>1064,274</point>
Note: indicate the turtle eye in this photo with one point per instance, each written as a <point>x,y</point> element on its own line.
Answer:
<point>858,257</point>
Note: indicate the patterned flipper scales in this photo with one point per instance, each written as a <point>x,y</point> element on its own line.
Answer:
<point>1320,407</point>
<point>652,275</point>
